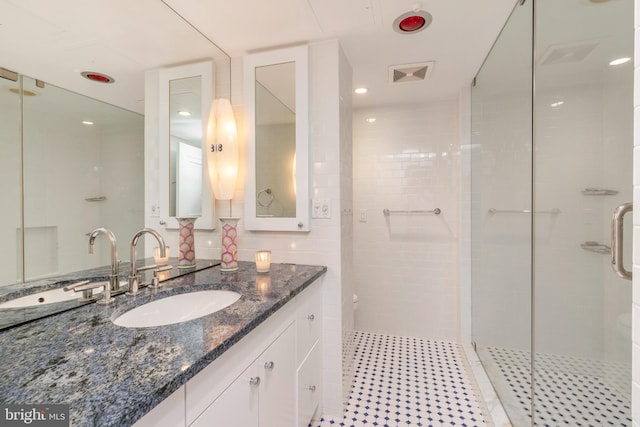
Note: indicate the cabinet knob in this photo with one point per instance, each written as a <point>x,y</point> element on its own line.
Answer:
<point>311,388</point>
<point>311,317</point>
<point>254,381</point>
<point>268,365</point>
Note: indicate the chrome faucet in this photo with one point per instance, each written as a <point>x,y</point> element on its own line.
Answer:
<point>114,284</point>
<point>134,278</point>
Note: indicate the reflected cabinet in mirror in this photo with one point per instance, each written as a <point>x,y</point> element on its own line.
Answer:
<point>185,95</point>
<point>276,100</point>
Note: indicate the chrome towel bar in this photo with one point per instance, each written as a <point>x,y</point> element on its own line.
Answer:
<point>493,211</point>
<point>387,212</point>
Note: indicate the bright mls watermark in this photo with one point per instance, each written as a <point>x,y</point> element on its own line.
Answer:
<point>34,415</point>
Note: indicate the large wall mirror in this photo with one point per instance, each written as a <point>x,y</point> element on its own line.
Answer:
<point>276,100</point>
<point>185,94</point>
<point>69,164</point>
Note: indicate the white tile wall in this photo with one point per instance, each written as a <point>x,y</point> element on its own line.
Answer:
<point>636,234</point>
<point>405,267</point>
<point>322,245</point>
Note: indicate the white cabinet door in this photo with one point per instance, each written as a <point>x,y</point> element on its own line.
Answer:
<point>309,386</point>
<point>238,406</point>
<point>309,319</point>
<point>169,413</point>
<point>277,367</point>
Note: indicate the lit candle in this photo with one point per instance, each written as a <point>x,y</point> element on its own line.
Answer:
<point>263,261</point>
<point>159,260</point>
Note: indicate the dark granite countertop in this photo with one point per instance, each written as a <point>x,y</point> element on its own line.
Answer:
<point>111,375</point>
<point>14,316</point>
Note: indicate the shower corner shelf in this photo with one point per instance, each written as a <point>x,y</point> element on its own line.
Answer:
<point>599,192</point>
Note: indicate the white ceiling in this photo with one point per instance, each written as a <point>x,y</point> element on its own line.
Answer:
<point>55,40</point>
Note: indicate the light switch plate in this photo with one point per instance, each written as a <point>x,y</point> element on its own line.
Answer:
<point>321,208</point>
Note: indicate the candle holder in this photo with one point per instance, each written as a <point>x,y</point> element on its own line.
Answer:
<point>160,260</point>
<point>263,261</point>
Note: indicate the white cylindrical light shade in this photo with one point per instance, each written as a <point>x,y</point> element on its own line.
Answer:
<point>222,149</point>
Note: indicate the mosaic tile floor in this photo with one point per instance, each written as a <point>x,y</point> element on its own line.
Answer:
<point>569,391</point>
<point>402,381</point>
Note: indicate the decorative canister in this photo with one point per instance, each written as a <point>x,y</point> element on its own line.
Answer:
<point>229,256</point>
<point>187,249</point>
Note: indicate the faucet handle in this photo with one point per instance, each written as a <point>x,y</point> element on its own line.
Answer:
<point>155,281</point>
<point>147,267</point>
<point>74,286</point>
<point>86,287</point>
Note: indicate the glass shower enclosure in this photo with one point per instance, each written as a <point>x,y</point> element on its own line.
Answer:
<point>552,142</point>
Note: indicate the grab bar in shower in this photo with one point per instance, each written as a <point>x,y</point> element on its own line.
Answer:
<point>493,211</point>
<point>596,247</point>
<point>599,192</point>
<point>617,224</point>
<point>387,212</point>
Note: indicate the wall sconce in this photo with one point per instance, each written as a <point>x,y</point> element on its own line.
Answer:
<point>222,149</point>
<point>222,166</point>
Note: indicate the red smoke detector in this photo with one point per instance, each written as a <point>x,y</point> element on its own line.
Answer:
<point>412,22</point>
<point>97,77</point>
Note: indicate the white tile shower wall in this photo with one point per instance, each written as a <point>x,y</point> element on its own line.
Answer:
<point>405,266</point>
<point>58,150</point>
<point>320,246</point>
<point>636,228</point>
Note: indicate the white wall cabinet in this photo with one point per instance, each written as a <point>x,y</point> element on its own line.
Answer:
<point>270,378</point>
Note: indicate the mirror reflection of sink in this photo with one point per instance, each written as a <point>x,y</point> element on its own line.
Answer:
<point>177,308</point>
<point>42,298</point>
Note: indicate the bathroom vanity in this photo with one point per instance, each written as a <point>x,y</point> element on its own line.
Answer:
<point>255,362</point>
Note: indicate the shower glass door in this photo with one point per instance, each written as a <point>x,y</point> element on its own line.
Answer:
<point>501,189</point>
<point>583,144</point>
<point>552,149</point>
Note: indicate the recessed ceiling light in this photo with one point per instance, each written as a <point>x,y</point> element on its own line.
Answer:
<point>97,77</point>
<point>557,104</point>
<point>620,61</point>
<point>370,119</point>
<point>87,122</point>
<point>361,90</point>
<point>184,113</point>
<point>412,22</point>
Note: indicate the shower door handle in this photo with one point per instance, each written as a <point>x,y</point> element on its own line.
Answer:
<point>616,240</point>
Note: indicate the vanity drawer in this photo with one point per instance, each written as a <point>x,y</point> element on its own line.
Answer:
<point>309,320</point>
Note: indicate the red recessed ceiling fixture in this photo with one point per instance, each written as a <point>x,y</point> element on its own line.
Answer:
<point>97,77</point>
<point>412,22</point>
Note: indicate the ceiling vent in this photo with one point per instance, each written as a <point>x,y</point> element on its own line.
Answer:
<point>410,72</point>
<point>562,54</point>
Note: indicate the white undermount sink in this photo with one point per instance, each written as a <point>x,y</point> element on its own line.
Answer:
<point>177,308</point>
<point>42,298</point>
